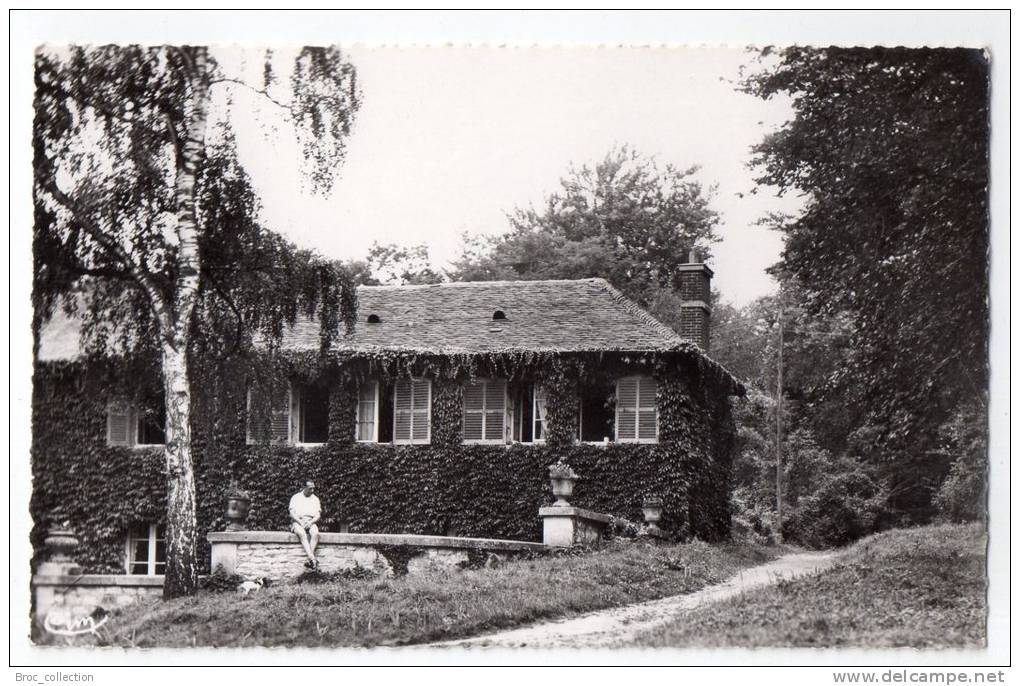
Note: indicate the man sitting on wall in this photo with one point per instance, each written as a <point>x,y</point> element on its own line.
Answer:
<point>305,511</point>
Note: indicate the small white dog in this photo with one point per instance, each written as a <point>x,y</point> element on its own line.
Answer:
<point>254,585</point>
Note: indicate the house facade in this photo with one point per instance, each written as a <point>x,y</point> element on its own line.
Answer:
<point>439,413</point>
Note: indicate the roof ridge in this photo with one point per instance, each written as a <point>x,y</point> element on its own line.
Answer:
<point>504,282</point>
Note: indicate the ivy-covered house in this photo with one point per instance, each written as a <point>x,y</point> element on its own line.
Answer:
<point>438,413</point>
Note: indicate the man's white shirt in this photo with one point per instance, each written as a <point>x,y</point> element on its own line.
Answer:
<point>302,506</point>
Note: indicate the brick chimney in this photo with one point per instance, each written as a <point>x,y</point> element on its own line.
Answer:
<point>695,293</point>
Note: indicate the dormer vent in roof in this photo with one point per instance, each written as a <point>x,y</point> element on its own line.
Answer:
<point>373,319</point>
<point>498,315</point>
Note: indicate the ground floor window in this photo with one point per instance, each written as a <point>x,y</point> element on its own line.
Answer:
<point>596,421</point>
<point>367,415</point>
<point>529,414</point>
<point>637,419</point>
<point>141,423</point>
<point>412,409</point>
<point>485,411</point>
<point>311,404</point>
<point>146,550</point>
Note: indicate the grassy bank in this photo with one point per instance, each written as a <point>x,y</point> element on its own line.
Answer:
<point>921,588</point>
<point>431,606</point>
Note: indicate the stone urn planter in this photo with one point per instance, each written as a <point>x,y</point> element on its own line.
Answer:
<point>60,544</point>
<point>562,478</point>
<point>651,506</point>
<point>238,505</point>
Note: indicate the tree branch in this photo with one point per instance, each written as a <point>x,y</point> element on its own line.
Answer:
<point>260,91</point>
<point>131,268</point>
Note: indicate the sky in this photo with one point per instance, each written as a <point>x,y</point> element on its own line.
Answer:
<point>448,140</point>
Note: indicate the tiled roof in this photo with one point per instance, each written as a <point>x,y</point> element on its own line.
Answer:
<point>583,315</point>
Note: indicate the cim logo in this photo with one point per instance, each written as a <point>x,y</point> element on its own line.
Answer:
<point>61,622</point>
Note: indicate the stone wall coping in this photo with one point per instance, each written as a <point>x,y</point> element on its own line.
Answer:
<point>571,511</point>
<point>93,580</point>
<point>326,538</point>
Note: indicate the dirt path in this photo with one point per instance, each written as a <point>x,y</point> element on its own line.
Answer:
<point>606,628</point>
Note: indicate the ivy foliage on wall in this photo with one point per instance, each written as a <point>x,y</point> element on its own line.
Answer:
<point>442,488</point>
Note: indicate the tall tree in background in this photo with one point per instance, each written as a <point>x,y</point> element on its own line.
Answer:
<point>627,219</point>
<point>147,227</point>
<point>890,147</point>
<point>394,265</point>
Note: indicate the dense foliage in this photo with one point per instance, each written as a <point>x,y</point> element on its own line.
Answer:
<point>437,489</point>
<point>626,219</point>
<point>147,228</point>
<point>890,149</point>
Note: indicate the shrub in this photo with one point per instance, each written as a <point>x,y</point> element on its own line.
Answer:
<point>847,505</point>
<point>961,496</point>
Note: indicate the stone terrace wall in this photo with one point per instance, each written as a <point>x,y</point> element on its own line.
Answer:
<point>278,555</point>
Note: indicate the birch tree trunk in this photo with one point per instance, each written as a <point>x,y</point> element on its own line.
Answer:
<point>182,565</point>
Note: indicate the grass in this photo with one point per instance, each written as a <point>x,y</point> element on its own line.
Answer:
<point>431,606</point>
<point>922,588</point>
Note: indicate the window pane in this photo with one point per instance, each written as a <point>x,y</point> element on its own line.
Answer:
<point>314,414</point>
<point>597,421</point>
<point>366,419</point>
<point>152,425</point>
<point>385,414</point>
<point>365,429</point>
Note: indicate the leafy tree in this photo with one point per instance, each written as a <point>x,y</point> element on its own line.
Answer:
<point>402,266</point>
<point>890,149</point>
<point>147,227</point>
<point>627,219</point>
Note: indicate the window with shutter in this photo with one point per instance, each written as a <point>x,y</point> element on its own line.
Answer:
<point>367,415</point>
<point>636,414</point>
<point>648,416</point>
<point>412,408</point>
<point>485,411</point>
<point>279,420</point>
<point>119,424</point>
<point>279,428</point>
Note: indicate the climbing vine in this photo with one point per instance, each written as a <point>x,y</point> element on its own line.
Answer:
<point>472,490</point>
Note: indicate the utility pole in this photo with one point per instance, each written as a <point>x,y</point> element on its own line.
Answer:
<point>779,431</point>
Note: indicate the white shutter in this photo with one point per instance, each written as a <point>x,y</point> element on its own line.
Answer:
<point>647,412</point>
<point>421,395</point>
<point>118,424</point>
<point>485,410</point>
<point>626,409</point>
<point>495,410</point>
<point>402,411</point>
<point>279,420</point>
<point>474,408</point>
